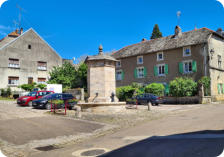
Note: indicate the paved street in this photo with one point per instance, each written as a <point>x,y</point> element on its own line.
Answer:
<point>162,137</point>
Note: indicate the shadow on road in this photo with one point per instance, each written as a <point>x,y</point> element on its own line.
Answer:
<point>207,143</point>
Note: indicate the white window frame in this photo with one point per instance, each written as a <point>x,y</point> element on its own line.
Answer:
<point>118,65</point>
<point>13,65</point>
<point>14,82</point>
<point>184,54</point>
<point>41,68</point>
<point>158,59</point>
<point>138,59</point>
<point>138,74</point>
<point>160,65</point>
<point>120,71</point>
<point>188,72</point>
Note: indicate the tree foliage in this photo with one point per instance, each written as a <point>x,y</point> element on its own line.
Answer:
<point>156,32</point>
<point>69,76</point>
<point>28,87</point>
<point>155,88</point>
<point>205,81</point>
<point>41,86</point>
<point>183,86</point>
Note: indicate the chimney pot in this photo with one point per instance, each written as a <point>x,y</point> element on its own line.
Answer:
<point>178,31</point>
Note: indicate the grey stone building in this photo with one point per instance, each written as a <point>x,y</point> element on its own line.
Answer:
<point>195,53</point>
<point>25,57</point>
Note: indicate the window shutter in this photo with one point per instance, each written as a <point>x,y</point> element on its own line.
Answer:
<point>135,73</point>
<point>155,71</point>
<point>181,67</point>
<point>145,72</point>
<point>223,88</point>
<point>122,75</point>
<point>166,69</point>
<point>194,66</point>
<point>219,89</point>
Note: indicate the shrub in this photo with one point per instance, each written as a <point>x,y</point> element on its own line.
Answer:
<point>41,86</point>
<point>127,92</point>
<point>183,86</point>
<point>6,92</point>
<point>205,81</point>
<point>28,87</point>
<point>155,88</point>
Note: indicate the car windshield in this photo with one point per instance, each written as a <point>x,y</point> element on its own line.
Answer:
<point>32,94</point>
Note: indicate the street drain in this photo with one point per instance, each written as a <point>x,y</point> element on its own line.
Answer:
<point>47,148</point>
<point>93,152</point>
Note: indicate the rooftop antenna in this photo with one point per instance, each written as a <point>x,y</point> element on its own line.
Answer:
<point>20,15</point>
<point>178,17</point>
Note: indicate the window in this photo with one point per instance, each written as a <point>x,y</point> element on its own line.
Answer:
<point>160,56</point>
<point>140,60</point>
<point>29,47</point>
<point>187,66</point>
<point>220,89</point>
<point>186,51</point>
<point>161,70</point>
<point>119,75</point>
<point>118,64</point>
<point>30,80</point>
<point>42,65</point>
<point>140,72</point>
<point>13,80</point>
<point>41,80</point>
<point>13,63</point>
<point>219,61</point>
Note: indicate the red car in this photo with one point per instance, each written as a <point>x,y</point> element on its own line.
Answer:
<point>27,100</point>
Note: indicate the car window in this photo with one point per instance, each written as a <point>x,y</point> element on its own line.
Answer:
<point>32,94</point>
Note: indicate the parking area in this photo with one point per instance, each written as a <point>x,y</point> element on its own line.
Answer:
<point>25,125</point>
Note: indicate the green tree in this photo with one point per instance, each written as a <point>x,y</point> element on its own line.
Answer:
<point>41,86</point>
<point>205,81</point>
<point>64,75</point>
<point>155,88</point>
<point>156,32</point>
<point>28,87</point>
<point>81,76</point>
<point>183,86</point>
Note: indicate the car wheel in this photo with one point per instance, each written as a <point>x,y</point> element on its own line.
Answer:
<point>30,103</point>
<point>157,104</point>
<point>48,106</point>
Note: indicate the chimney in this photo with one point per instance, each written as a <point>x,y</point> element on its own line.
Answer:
<point>21,31</point>
<point>16,31</point>
<point>178,31</point>
<point>144,39</point>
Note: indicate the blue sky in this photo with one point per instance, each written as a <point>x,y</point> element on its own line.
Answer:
<point>77,27</point>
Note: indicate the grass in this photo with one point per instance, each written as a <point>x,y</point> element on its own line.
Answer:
<point>7,99</point>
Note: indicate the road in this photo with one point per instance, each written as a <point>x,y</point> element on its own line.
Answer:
<point>195,132</point>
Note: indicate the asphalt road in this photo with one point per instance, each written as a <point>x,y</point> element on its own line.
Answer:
<point>195,132</point>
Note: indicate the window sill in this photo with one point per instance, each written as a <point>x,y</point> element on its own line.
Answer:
<point>13,68</point>
<point>186,73</point>
<point>186,55</point>
<point>12,85</point>
<point>41,70</point>
<point>163,75</point>
<point>139,63</point>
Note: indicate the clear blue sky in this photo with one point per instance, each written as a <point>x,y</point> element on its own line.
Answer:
<point>77,27</point>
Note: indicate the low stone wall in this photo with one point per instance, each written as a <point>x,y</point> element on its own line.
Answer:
<point>218,98</point>
<point>181,100</point>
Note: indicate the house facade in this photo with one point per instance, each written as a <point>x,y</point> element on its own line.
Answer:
<point>193,54</point>
<point>25,58</point>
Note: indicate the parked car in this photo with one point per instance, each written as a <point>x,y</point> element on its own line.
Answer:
<point>27,100</point>
<point>148,98</point>
<point>45,102</point>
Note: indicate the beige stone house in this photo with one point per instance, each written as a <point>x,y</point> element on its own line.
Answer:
<point>195,53</point>
<point>25,57</point>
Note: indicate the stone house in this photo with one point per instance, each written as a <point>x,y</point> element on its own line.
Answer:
<point>195,53</point>
<point>25,57</point>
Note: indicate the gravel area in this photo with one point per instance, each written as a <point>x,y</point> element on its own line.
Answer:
<point>10,110</point>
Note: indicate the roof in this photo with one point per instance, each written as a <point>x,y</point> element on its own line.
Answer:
<point>194,37</point>
<point>100,57</point>
<point>12,37</point>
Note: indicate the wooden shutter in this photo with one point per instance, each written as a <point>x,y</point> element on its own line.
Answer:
<point>145,72</point>
<point>155,71</point>
<point>181,67</point>
<point>194,66</point>
<point>166,69</point>
<point>135,72</point>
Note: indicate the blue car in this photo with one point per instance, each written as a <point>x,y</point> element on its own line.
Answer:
<point>148,98</point>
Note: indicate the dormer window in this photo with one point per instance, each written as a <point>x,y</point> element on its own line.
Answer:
<point>186,51</point>
<point>159,56</point>
<point>140,60</point>
<point>118,64</point>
